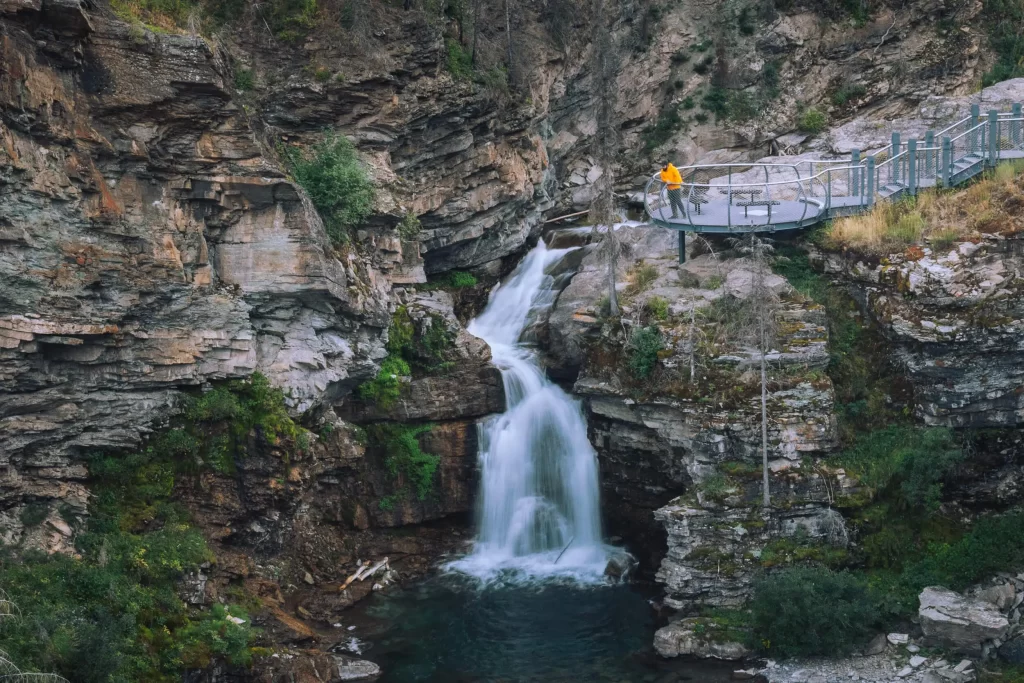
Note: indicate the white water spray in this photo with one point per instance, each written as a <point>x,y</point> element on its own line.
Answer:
<point>539,511</point>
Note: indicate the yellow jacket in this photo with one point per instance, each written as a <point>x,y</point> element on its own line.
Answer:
<point>670,176</point>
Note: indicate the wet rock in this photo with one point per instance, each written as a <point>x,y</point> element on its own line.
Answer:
<point>620,564</point>
<point>697,637</point>
<point>311,666</point>
<point>1012,651</point>
<point>948,619</point>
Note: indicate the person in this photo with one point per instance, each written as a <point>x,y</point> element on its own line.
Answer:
<point>673,182</point>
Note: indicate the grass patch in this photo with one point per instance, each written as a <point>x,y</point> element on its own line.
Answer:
<point>337,182</point>
<point>641,278</point>
<point>990,205</point>
<point>244,79</point>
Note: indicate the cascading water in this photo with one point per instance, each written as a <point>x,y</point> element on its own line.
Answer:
<point>539,512</point>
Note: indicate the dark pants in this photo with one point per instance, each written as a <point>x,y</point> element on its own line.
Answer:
<point>675,198</point>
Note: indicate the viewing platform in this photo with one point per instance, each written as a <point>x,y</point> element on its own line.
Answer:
<point>768,197</point>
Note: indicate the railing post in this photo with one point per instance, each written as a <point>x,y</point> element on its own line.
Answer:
<point>895,152</point>
<point>973,137</point>
<point>929,156</point>
<point>993,137</point>
<point>870,174</point>
<point>912,166</point>
<point>1015,125</point>
<point>854,179</point>
<point>947,160</point>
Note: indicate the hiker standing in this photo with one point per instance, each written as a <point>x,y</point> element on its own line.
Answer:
<point>673,182</point>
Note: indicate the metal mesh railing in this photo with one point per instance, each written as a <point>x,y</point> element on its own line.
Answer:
<point>812,188</point>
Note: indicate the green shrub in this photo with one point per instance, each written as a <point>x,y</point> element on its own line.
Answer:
<point>704,65</point>
<point>668,123</point>
<point>713,282</point>
<point>642,351</point>
<point>337,183</point>
<point>745,21</point>
<point>848,92</point>
<point>409,227</point>
<point>802,612</point>
<point>681,57</point>
<point>700,117</point>
<point>460,279</point>
<point>321,74</point>
<point>941,240</point>
<point>812,121</point>
<point>404,459</point>
<point>657,306</point>
<point>244,79</point>
<point>112,613</point>
<point>458,61</point>
<point>688,103</point>
<point>386,387</point>
<point>641,277</point>
<point>290,19</point>
<point>911,462</point>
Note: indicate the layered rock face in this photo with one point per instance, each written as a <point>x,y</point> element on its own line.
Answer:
<point>148,245</point>
<point>955,320</point>
<point>683,458</point>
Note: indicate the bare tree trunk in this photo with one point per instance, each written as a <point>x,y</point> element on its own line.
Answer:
<point>508,36</point>
<point>613,263</point>
<point>476,30</point>
<point>693,343</point>
<point>766,498</point>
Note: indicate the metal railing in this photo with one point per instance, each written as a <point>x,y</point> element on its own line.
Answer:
<point>741,196</point>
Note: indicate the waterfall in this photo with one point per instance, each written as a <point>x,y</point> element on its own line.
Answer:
<point>538,509</point>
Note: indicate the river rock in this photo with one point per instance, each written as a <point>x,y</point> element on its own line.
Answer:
<point>1012,651</point>
<point>948,619</point>
<point>620,564</point>
<point>697,637</point>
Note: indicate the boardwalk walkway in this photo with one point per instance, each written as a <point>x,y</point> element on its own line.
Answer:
<point>740,198</point>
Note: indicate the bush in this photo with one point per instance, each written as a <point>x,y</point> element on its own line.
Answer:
<point>641,277</point>
<point>848,92</point>
<point>460,279</point>
<point>112,613</point>
<point>657,306</point>
<point>244,79</point>
<point>813,121</point>
<point>803,612</point>
<point>704,65</point>
<point>290,19</point>
<point>336,182</point>
<point>642,351</point>
<point>405,460</point>
<point>386,387</point>
<point>906,463</point>
<point>409,227</point>
<point>663,129</point>
<point>458,61</point>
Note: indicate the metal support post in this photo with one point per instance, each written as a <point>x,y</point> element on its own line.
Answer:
<point>912,167</point>
<point>929,156</point>
<point>682,246</point>
<point>947,161</point>
<point>1015,125</point>
<point>972,139</point>
<point>893,165</point>
<point>870,172</point>
<point>993,137</point>
<point>854,179</point>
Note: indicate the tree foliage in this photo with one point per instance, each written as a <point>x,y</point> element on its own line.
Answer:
<point>337,183</point>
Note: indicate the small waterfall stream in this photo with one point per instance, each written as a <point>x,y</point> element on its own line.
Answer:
<point>539,497</point>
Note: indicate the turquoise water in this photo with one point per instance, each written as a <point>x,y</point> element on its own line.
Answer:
<point>450,630</point>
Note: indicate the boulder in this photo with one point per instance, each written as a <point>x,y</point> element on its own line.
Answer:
<point>1001,595</point>
<point>951,620</point>
<point>697,637</point>
<point>620,565</point>
<point>1012,651</point>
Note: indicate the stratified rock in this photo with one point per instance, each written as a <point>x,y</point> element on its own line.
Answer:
<point>697,637</point>
<point>948,619</point>
<point>954,321</point>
